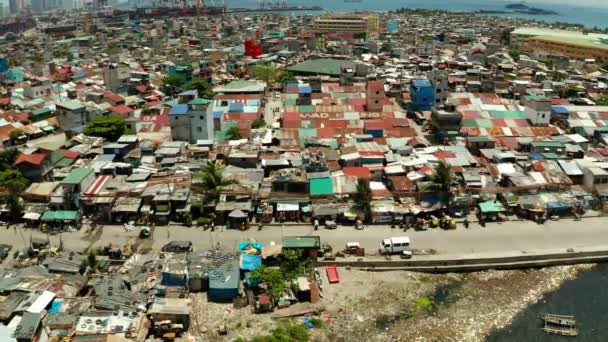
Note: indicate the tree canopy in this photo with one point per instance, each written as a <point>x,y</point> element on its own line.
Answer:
<point>286,77</point>
<point>569,92</point>
<point>602,101</point>
<point>441,179</point>
<point>258,123</point>
<point>233,133</point>
<point>204,88</point>
<point>110,127</point>
<point>363,197</point>
<point>14,134</point>
<point>14,183</point>
<point>171,84</point>
<point>267,73</point>
<point>8,158</point>
<point>212,178</point>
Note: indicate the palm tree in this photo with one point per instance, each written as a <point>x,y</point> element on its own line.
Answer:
<point>212,178</point>
<point>267,73</point>
<point>363,198</point>
<point>441,179</point>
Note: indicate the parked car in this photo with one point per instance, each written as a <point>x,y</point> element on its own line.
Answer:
<point>395,245</point>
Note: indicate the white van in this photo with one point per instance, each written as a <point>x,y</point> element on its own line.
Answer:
<point>395,245</point>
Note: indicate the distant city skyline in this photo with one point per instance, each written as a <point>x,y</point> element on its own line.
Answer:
<point>248,3</point>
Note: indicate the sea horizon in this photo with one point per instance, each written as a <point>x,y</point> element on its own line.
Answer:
<point>588,16</point>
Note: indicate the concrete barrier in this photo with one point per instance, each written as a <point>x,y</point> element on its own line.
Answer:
<point>468,264</point>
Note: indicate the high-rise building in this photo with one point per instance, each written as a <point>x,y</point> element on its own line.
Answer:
<point>13,6</point>
<point>439,79</point>
<point>375,96</point>
<point>357,23</point>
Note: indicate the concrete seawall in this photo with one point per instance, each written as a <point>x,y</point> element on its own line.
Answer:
<point>478,262</point>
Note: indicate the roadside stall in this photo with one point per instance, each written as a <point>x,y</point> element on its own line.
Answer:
<point>57,220</point>
<point>490,210</point>
<point>31,219</point>
<point>264,213</point>
<point>237,219</point>
<point>288,212</point>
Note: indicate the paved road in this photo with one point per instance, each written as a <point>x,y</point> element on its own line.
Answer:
<point>270,115</point>
<point>495,237</point>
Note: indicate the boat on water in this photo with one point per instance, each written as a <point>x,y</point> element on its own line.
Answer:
<point>564,320</point>
<point>564,325</point>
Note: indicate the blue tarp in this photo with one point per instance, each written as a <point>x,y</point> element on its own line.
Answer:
<point>250,262</point>
<point>244,245</point>
<point>179,109</point>
<point>559,110</point>
<point>56,306</point>
<point>304,90</point>
<point>236,107</point>
<point>536,156</point>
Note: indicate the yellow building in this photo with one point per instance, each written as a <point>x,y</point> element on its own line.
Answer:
<point>552,47</point>
<point>553,43</point>
<point>367,23</point>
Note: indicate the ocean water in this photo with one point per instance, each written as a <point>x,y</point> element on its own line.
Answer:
<point>585,297</point>
<point>574,13</point>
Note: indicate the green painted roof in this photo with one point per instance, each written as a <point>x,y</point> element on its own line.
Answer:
<point>306,109</point>
<point>71,105</point>
<point>546,144</point>
<point>241,86</point>
<point>41,111</point>
<point>307,132</point>
<point>199,101</point>
<point>76,176</point>
<point>508,114</point>
<point>302,242</point>
<point>322,66</point>
<point>60,215</point>
<point>479,139</point>
<point>469,123</point>
<point>491,207</point>
<point>64,162</point>
<point>321,186</point>
<point>485,123</point>
<point>550,155</point>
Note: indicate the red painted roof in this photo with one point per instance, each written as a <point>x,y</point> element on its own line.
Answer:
<point>326,132</point>
<point>375,85</point>
<point>70,154</point>
<point>291,116</point>
<point>444,154</point>
<point>240,116</point>
<point>141,88</point>
<point>374,124</point>
<point>538,167</point>
<point>357,171</point>
<point>113,97</point>
<point>34,159</point>
<point>122,110</point>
